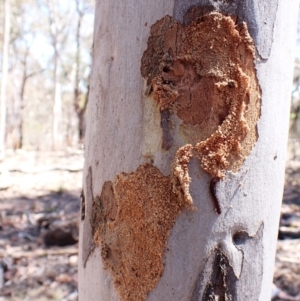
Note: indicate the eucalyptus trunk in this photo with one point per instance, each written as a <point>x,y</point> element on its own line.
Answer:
<point>185,149</point>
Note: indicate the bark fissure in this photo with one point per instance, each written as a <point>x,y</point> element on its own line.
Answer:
<point>222,282</point>
<point>82,207</point>
<point>88,198</point>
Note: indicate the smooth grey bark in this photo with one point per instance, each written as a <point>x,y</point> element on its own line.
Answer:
<point>244,236</point>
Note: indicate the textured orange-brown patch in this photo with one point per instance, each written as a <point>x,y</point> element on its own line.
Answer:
<point>180,174</point>
<point>133,242</point>
<point>204,72</point>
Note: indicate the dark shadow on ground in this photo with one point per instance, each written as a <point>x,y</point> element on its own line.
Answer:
<point>38,247</point>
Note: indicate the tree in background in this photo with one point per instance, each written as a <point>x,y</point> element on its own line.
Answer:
<point>80,101</point>
<point>23,66</point>
<point>59,25</point>
<point>3,97</point>
<point>42,63</point>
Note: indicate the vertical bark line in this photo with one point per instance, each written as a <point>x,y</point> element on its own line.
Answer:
<point>88,244</point>
<point>213,192</point>
<point>82,206</point>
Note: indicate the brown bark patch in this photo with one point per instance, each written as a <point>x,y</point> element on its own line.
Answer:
<point>204,73</point>
<point>133,240</point>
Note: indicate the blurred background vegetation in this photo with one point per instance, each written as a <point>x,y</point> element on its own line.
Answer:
<point>46,63</point>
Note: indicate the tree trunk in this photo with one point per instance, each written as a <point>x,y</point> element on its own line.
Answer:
<point>57,98</point>
<point>185,149</point>
<point>4,76</point>
<point>79,108</point>
<point>20,107</point>
<point>57,105</point>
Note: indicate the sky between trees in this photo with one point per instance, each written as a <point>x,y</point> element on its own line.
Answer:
<point>49,60</point>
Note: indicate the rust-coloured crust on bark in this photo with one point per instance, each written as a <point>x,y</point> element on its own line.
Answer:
<point>204,73</point>
<point>134,241</point>
<point>180,175</point>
